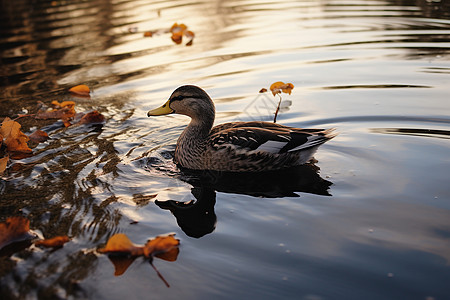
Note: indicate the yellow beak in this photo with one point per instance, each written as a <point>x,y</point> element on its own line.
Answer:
<point>163,110</point>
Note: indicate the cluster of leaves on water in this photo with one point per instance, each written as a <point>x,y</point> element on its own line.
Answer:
<point>14,143</point>
<point>277,88</point>
<point>122,252</point>
<point>15,233</point>
<point>17,229</point>
<point>177,31</point>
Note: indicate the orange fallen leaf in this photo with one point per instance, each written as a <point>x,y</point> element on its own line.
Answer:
<point>160,245</point>
<point>178,28</point>
<point>190,35</point>
<point>93,117</point>
<point>120,243</point>
<point>64,111</point>
<point>55,242</point>
<point>3,163</point>
<point>14,139</point>
<point>164,247</point>
<point>63,104</point>
<point>177,37</point>
<point>121,263</point>
<point>14,229</point>
<point>148,34</point>
<point>170,255</point>
<point>263,90</point>
<point>39,136</point>
<point>280,86</point>
<point>80,90</point>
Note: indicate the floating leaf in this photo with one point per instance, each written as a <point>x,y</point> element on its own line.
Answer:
<point>80,90</point>
<point>148,34</point>
<point>177,38</point>
<point>93,117</point>
<point>15,229</point>
<point>176,28</point>
<point>55,242</point>
<point>280,86</point>
<point>160,245</point>
<point>39,136</point>
<point>14,139</point>
<point>3,163</point>
<point>64,111</point>
<point>190,35</point>
<point>63,104</point>
<point>263,90</point>
<point>120,243</point>
<point>121,263</point>
<point>163,247</point>
<point>170,255</point>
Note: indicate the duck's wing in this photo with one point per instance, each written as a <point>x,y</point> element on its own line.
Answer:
<point>277,139</point>
<point>252,124</point>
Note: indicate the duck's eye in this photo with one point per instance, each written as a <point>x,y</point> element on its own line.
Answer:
<point>178,98</point>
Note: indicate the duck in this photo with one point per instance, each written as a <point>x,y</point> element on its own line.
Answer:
<point>253,146</point>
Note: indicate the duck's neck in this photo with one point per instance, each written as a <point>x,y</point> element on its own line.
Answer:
<point>192,139</point>
<point>197,130</point>
<point>191,144</point>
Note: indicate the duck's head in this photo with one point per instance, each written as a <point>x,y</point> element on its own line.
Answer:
<point>187,100</point>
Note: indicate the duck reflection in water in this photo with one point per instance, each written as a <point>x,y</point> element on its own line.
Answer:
<point>197,217</point>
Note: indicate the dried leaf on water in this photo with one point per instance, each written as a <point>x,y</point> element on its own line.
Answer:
<point>121,263</point>
<point>39,136</point>
<point>80,90</point>
<point>64,111</point>
<point>93,117</point>
<point>148,34</point>
<point>63,104</point>
<point>55,242</point>
<point>161,245</point>
<point>177,38</point>
<point>177,28</point>
<point>177,31</point>
<point>190,35</point>
<point>3,163</point>
<point>120,243</point>
<point>170,255</point>
<point>180,30</point>
<point>14,139</point>
<point>14,229</point>
<point>279,86</point>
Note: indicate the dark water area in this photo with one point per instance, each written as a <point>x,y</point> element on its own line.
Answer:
<point>368,218</point>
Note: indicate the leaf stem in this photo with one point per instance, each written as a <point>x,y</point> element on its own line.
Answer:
<point>278,109</point>
<point>160,275</point>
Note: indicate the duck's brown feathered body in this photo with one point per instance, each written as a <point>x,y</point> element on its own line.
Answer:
<point>236,146</point>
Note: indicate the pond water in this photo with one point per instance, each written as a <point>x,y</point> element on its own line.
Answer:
<point>369,218</point>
